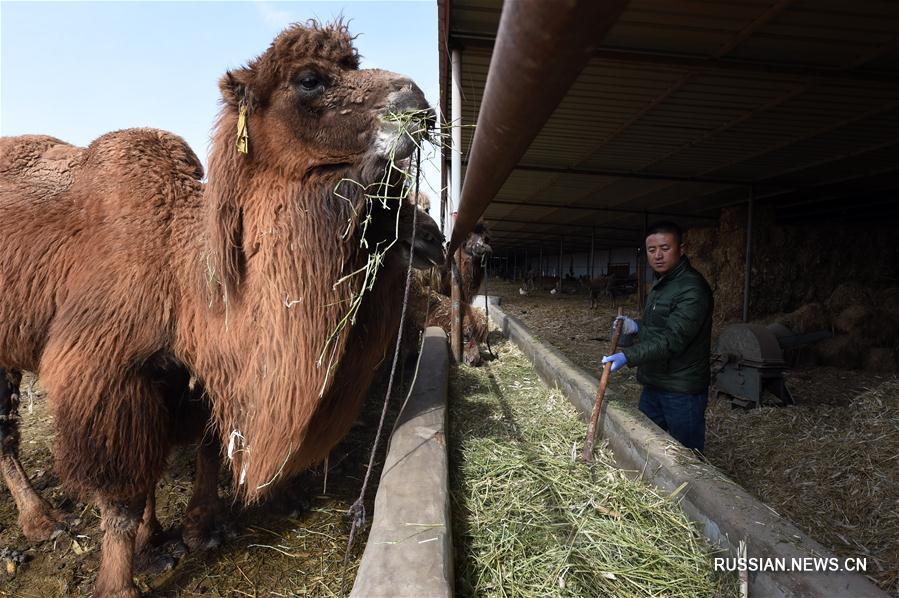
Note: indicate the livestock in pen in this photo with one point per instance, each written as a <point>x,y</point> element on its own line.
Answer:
<point>475,251</point>
<point>430,303</point>
<point>277,285</point>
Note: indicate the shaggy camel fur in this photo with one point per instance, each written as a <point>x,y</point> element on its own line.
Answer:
<point>124,275</point>
<point>431,308</point>
<point>41,168</point>
<point>427,307</point>
<point>471,267</point>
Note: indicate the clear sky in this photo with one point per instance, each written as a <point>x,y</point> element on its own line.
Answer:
<point>75,70</point>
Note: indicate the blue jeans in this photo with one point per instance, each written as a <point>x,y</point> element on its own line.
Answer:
<point>681,415</point>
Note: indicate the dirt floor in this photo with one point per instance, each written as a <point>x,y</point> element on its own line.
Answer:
<point>292,545</point>
<point>828,463</point>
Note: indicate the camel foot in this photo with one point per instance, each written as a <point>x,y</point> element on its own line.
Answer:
<point>130,591</point>
<point>159,558</point>
<point>206,530</point>
<point>40,525</point>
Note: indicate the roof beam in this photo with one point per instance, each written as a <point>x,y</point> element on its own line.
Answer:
<point>523,234</point>
<point>700,63</point>
<point>625,174</point>
<point>630,229</point>
<point>747,31</point>
<point>498,202</point>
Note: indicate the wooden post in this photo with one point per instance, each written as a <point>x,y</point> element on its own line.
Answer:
<point>456,298</point>
<point>592,250</point>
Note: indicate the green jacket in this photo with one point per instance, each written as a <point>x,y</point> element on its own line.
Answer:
<point>675,333</point>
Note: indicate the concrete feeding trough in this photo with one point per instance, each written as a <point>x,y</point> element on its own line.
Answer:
<point>724,511</point>
<point>409,551</point>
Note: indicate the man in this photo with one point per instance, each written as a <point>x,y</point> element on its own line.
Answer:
<point>672,357</point>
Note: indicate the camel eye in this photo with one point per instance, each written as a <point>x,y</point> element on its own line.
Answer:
<point>310,84</point>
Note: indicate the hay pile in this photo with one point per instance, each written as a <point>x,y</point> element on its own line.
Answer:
<point>795,265</point>
<point>811,317</point>
<point>866,329</point>
<point>866,332</point>
<point>830,464</point>
<point>528,521</point>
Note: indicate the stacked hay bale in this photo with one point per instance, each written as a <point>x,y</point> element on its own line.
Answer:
<point>807,274</point>
<point>865,331</point>
<point>865,324</point>
<point>718,253</point>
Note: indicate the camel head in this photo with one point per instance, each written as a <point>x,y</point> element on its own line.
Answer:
<point>309,106</point>
<point>477,244</point>
<point>428,239</point>
<point>303,127</point>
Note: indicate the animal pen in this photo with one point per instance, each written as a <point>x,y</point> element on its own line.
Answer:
<point>770,132</point>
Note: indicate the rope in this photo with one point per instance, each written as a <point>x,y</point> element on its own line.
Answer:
<point>357,509</point>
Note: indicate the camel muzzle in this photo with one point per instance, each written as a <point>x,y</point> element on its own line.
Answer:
<point>405,121</point>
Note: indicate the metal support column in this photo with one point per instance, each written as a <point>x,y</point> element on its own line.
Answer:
<point>456,190</point>
<point>747,268</point>
<point>592,250</point>
<point>540,49</point>
<point>641,265</point>
<point>560,264</point>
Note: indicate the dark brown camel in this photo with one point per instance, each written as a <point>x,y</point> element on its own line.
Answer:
<point>430,303</point>
<point>123,274</point>
<point>475,251</point>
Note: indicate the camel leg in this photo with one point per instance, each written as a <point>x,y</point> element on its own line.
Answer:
<point>152,548</point>
<point>119,521</point>
<point>204,506</point>
<point>37,518</point>
<point>150,530</point>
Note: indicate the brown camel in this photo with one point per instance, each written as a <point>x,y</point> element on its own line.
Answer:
<point>427,307</point>
<point>475,250</point>
<point>430,303</point>
<point>122,274</point>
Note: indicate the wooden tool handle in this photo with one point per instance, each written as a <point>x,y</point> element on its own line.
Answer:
<point>587,455</point>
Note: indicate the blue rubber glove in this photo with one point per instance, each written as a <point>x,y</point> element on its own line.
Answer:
<point>618,360</point>
<point>628,326</point>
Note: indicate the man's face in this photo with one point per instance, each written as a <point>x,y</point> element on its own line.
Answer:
<point>663,252</point>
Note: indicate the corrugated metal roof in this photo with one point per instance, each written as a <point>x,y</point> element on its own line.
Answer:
<point>799,98</point>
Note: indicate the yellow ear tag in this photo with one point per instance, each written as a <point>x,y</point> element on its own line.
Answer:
<point>243,136</point>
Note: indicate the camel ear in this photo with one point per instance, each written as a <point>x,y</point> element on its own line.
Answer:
<point>236,87</point>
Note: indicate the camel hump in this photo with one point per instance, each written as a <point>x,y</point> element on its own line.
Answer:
<point>146,148</point>
<point>38,162</point>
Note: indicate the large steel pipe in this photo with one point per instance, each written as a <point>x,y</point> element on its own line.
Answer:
<point>541,48</point>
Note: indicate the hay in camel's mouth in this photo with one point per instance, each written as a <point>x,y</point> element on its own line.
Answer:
<point>402,133</point>
<point>409,131</point>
